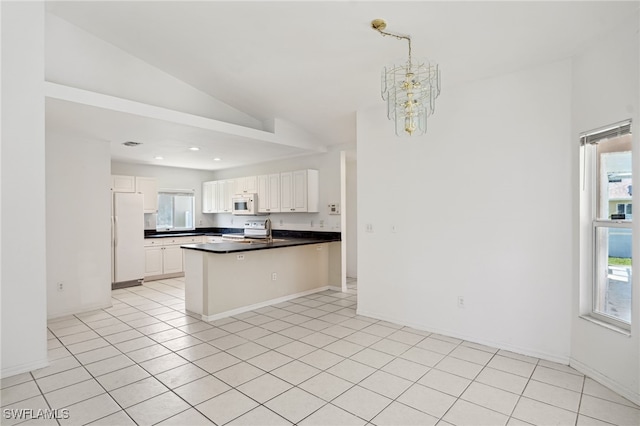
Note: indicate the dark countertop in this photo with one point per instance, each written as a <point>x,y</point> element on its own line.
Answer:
<point>231,247</point>
<point>316,236</point>
<point>179,234</point>
<point>152,233</point>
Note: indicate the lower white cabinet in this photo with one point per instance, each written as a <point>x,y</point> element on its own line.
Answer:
<point>163,256</point>
<point>153,261</point>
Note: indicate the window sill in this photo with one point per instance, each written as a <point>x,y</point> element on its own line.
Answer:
<point>606,325</point>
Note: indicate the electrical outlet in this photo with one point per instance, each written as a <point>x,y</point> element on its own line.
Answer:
<point>394,228</point>
<point>460,301</point>
<point>312,224</point>
<point>274,276</point>
<point>322,224</point>
<point>369,227</point>
<point>60,286</point>
<point>240,257</point>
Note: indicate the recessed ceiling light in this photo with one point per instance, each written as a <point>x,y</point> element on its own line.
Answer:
<point>158,157</point>
<point>131,143</point>
<point>194,148</point>
<point>217,159</point>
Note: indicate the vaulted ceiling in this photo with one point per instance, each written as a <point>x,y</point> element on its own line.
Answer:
<point>315,64</point>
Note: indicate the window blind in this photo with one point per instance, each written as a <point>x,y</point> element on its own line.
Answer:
<point>594,136</point>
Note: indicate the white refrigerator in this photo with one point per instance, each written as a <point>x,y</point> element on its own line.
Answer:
<point>127,223</point>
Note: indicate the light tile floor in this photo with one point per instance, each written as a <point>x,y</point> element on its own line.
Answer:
<point>309,361</point>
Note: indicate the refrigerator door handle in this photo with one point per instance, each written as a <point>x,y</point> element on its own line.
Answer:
<point>115,231</point>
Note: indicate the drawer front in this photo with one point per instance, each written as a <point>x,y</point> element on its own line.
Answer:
<point>150,242</point>
<point>196,239</point>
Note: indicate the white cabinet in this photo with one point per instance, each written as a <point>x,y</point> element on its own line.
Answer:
<point>172,259</point>
<point>148,187</point>
<point>299,191</point>
<point>153,261</point>
<point>121,183</point>
<point>210,197</point>
<point>247,184</point>
<point>296,191</point>
<point>226,191</point>
<point>217,195</point>
<point>164,257</point>
<point>269,193</point>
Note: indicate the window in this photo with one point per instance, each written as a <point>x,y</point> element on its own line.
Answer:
<point>608,166</point>
<point>176,210</point>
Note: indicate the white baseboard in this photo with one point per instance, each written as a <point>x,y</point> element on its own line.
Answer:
<point>561,359</point>
<point>23,368</point>
<point>243,309</point>
<point>163,277</point>
<point>606,381</point>
<point>335,288</point>
<point>80,310</point>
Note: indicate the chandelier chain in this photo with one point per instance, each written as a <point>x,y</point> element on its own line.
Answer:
<point>399,37</point>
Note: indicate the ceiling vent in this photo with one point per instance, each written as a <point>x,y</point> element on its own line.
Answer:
<point>131,143</point>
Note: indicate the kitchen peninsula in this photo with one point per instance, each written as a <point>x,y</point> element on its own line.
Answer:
<point>228,278</point>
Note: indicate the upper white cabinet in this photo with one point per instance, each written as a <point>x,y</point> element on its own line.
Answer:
<point>269,193</point>
<point>299,191</point>
<point>121,183</point>
<point>210,197</point>
<point>148,187</point>
<point>296,191</point>
<point>226,191</point>
<point>247,184</point>
<point>216,196</point>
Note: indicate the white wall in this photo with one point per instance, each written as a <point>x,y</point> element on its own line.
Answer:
<point>171,178</point>
<point>78,225</point>
<point>79,59</point>
<point>483,210</point>
<point>609,357</point>
<point>22,225</point>
<point>328,166</point>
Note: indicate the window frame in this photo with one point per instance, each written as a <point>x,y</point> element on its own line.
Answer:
<point>601,316</point>
<point>589,142</point>
<point>173,193</point>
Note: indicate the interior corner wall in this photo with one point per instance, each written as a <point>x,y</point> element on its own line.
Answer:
<point>78,225</point>
<point>480,208</point>
<point>607,356</point>
<point>22,165</point>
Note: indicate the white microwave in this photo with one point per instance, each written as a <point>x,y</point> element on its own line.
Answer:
<point>245,204</point>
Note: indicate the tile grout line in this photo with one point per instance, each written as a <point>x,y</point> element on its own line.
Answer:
<point>309,306</point>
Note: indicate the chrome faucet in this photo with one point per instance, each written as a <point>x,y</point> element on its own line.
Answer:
<point>267,224</point>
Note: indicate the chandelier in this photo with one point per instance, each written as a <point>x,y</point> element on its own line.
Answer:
<point>410,89</point>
